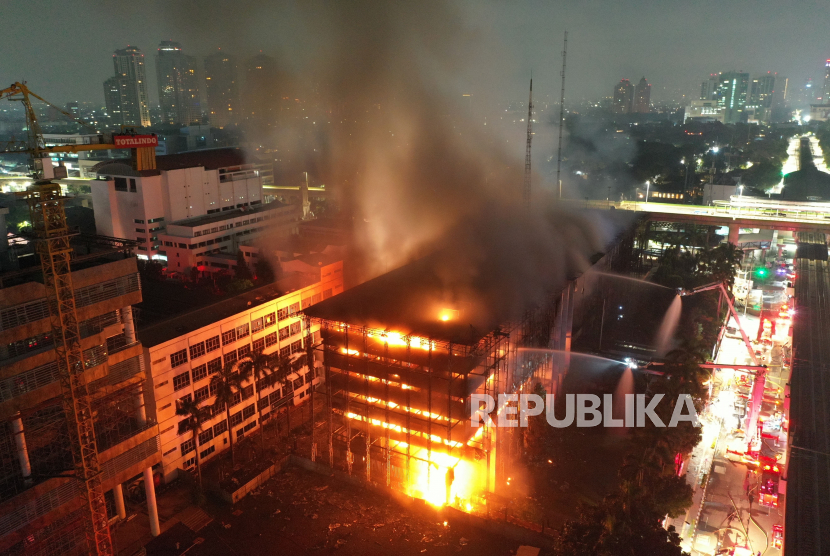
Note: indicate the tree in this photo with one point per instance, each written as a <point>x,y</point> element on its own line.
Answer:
<point>242,272</point>
<point>239,285</point>
<point>226,383</point>
<point>196,418</point>
<point>259,367</point>
<point>194,274</point>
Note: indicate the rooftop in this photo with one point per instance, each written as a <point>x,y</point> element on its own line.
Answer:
<point>220,216</point>
<point>187,322</point>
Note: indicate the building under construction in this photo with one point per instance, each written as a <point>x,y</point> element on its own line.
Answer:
<point>44,508</point>
<point>401,366</point>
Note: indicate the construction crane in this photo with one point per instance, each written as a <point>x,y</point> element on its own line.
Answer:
<point>48,217</point>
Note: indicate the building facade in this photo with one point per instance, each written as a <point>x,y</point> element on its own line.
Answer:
<point>623,96</point>
<point>181,363</point>
<point>178,85</point>
<point>41,507</point>
<point>642,97</point>
<point>125,94</point>
<point>221,80</point>
<point>139,205</point>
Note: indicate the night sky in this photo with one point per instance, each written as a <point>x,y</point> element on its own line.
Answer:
<point>63,49</point>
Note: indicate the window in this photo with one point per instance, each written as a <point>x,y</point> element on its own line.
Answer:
<point>183,400</point>
<point>247,391</point>
<point>295,328</point>
<point>154,220</point>
<point>259,344</point>
<point>170,451</point>
<point>182,246</point>
<point>212,344</point>
<point>282,313</point>
<point>156,229</point>
<point>316,298</point>
<point>220,427</point>
<point>197,350</point>
<point>242,331</point>
<point>293,308</point>
<point>308,377</point>
<point>270,339</point>
<point>188,446</point>
<point>297,346</point>
<point>275,396</point>
<point>132,185</point>
<point>120,184</point>
<point>137,221</point>
<point>178,358</point>
<point>248,412</point>
<point>284,333</point>
<point>140,230</point>
<point>298,383</point>
<point>206,436</point>
<point>214,365</point>
<point>213,388</point>
<point>188,463</point>
<point>228,337</point>
<point>243,351</point>
<point>230,357</point>
<point>201,394</point>
<point>257,325</point>
<point>182,380</point>
<point>207,451</point>
<point>199,373</point>
<point>306,302</point>
<point>285,352</point>
<point>168,244</point>
<point>237,399</point>
<point>214,230</point>
<point>236,418</point>
<point>141,239</point>
<point>270,320</point>
<point>326,294</point>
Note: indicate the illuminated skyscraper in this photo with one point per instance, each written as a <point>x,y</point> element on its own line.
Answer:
<point>642,97</point>
<point>623,93</point>
<point>731,94</point>
<point>178,87</point>
<point>125,93</point>
<point>825,97</point>
<point>221,79</point>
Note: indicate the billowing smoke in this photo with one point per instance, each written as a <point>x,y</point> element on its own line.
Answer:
<point>412,167</point>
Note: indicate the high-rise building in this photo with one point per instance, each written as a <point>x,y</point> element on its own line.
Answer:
<point>125,94</point>
<point>826,92</point>
<point>642,97</point>
<point>178,85</point>
<point>762,90</point>
<point>709,87</point>
<point>623,94</point>
<point>731,94</point>
<point>261,91</point>
<point>221,79</point>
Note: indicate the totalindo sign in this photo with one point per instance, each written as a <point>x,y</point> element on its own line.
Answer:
<point>135,141</point>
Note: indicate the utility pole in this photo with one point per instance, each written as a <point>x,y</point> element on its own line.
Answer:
<point>526,191</point>
<point>561,117</point>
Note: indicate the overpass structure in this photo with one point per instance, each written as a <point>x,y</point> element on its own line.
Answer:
<point>776,215</point>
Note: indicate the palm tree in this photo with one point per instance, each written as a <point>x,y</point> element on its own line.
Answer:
<point>226,383</point>
<point>196,417</point>
<point>259,367</point>
<point>281,369</point>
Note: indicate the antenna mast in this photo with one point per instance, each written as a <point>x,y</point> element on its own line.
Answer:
<point>526,192</point>
<point>561,117</point>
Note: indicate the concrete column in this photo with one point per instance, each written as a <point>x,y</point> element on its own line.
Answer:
<point>22,452</point>
<point>129,324</point>
<point>152,510</point>
<point>140,411</point>
<point>118,494</point>
<point>734,234</point>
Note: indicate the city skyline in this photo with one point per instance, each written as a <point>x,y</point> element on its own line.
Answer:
<point>518,45</point>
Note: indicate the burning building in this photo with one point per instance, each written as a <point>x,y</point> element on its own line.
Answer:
<point>403,354</point>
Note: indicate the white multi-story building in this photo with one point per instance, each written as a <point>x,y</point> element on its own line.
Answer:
<point>139,204</point>
<point>184,352</point>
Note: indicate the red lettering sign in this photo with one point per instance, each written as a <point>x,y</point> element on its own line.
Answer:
<point>135,141</point>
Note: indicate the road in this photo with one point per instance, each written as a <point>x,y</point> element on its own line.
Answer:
<point>725,511</point>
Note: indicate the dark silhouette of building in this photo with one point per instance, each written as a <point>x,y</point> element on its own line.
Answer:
<point>261,96</point>
<point>125,94</point>
<point>623,94</point>
<point>642,97</point>
<point>222,82</point>
<point>178,86</point>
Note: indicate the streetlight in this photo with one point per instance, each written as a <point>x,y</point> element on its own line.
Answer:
<point>648,186</point>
